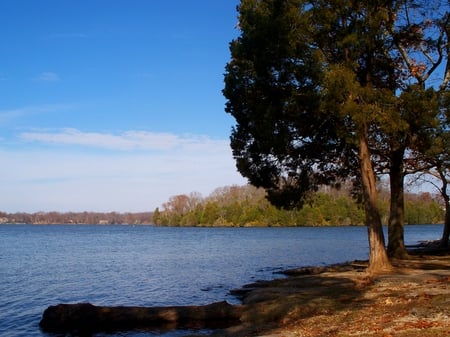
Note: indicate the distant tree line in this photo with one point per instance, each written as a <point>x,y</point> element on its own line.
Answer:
<point>247,206</point>
<point>94,218</point>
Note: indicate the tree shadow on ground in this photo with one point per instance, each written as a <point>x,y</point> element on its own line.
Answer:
<point>425,265</point>
<point>271,304</point>
<point>345,295</point>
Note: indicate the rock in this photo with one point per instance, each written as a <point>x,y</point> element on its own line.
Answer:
<point>87,318</point>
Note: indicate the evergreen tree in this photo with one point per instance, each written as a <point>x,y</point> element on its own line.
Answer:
<point>322,90</point>
<point>306,83</point>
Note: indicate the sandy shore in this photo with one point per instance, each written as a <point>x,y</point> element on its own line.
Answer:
<point>343,301</point>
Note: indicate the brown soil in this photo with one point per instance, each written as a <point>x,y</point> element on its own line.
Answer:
<point>412,301</point>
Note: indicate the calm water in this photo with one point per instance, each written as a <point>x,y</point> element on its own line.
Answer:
<point>149,266</point>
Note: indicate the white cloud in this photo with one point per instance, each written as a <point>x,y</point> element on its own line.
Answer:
<point>130,140</point>
<point>119,179</point>
<point>48,77</point>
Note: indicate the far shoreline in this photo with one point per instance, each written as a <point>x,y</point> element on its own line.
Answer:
<point>197,226</point>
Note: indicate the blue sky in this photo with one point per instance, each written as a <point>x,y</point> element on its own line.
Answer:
<point>113,105</point>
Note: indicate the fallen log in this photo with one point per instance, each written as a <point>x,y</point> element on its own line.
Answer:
<point>87,318</point>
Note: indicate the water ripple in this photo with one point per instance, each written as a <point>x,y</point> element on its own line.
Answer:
<point>150,266</point>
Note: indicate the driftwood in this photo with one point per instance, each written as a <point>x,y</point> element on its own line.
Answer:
<point>87,318</point>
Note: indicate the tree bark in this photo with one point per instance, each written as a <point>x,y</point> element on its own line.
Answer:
<point>446,231</point>
<point>446,197</point>
<point>396,241</point>
<point>378,258</point>
<point>85,318</point>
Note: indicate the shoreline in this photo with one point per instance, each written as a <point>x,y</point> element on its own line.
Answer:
<point>335,300</point>
<point>343,300</point>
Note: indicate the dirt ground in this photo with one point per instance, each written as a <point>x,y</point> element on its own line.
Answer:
<point>412,301</point>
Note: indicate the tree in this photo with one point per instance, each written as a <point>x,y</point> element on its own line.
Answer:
<point>439,155</point>
<point>307,84</point>
<point>420,50</point>
<point>444,176</point>
<point>414,115</point>
<point>440,171</point>
<point>156,217</point>
<point>273,72</point>
<point>321,90</point>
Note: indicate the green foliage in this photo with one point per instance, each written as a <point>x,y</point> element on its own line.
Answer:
<point>327,90</point>
<point>282,141</point>
<point>420,209</point>
<point>247,206</point>
<point>307,79</point>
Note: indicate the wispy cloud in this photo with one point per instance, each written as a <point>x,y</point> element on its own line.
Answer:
<point>61,178</point>
<point>48,76</point>
<point>8,115</point>
<point>130,140</point>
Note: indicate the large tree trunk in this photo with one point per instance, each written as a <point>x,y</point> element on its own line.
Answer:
<point>378,258</point>
<point>396,241</point>
<point>446,197</point>
<point>446,231</point>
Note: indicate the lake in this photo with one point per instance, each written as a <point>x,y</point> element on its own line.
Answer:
<point>154,266</point>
